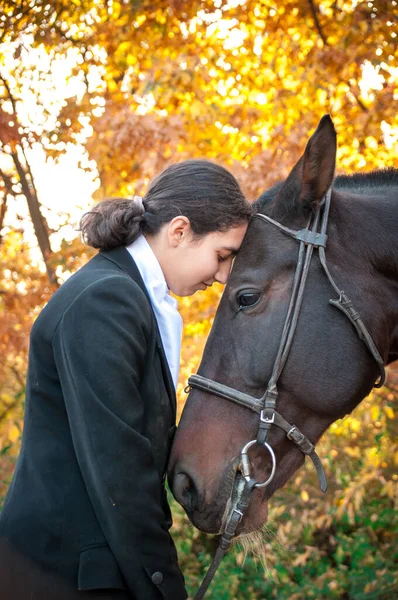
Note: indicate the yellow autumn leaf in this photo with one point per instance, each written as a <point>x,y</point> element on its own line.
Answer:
<point>375,413</point>
<point>354,452</point>
<point>14,434</point>
<point>389,412</point>
<point>304,495</point>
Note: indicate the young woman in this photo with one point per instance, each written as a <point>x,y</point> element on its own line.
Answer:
<point>86,513</point>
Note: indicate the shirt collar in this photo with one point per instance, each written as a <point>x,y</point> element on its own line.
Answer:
<point>163,304</point>
<point>149,267</point>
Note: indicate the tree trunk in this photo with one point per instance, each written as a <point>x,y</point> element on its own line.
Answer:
<point>39,222</point>
<point>3,208</point>
<point>29,190</point>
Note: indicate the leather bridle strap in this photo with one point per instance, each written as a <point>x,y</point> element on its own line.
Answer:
<point>309,239</point>
<point>256,405</point>
<point>346,306</point>
<point>266,406</point>
<point>227,537</point>
<point>343,303</point>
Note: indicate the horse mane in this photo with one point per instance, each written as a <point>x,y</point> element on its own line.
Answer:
<point>367,181</point>
<point>364,182</point>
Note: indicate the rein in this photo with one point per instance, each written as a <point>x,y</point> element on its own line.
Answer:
<point>309,239</point>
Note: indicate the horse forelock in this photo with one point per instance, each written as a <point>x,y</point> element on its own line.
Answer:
<point>280,206</point>
<point>271,202</point>
<point>268,196</point>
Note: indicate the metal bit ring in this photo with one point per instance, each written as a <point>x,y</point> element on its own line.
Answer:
<point>246,463</point>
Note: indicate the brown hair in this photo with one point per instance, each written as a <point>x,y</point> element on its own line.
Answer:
<point>206,193</point>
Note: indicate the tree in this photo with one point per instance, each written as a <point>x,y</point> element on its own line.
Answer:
<point>242,82</point>
<point>146,84</point>
<point>13,143</point>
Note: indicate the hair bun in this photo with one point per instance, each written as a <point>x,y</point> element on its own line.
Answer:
<point>112,223</point>
<point>139,202</point>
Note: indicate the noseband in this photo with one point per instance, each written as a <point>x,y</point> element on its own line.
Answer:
<point>309,239</point>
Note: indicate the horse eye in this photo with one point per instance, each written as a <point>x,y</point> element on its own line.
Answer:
<point>246,299</point>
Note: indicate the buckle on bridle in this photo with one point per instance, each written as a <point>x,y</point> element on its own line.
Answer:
<point>295,435</point>
<point>312,238</point>
<point>240,513</point>
<point>267,419</point>
<point>290,433</point>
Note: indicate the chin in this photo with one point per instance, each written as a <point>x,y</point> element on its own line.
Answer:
<point>185,293</point>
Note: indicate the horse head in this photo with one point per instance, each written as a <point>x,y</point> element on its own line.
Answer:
<point>328,369</point>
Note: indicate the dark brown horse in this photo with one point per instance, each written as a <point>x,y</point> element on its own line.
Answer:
<point>329,369</point>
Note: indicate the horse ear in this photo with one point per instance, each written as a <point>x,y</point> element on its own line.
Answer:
<point>311,177</point>
<point>318,163</point>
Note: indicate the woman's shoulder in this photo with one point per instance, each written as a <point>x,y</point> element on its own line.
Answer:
<point>101,279</point>
<point>98,283</point>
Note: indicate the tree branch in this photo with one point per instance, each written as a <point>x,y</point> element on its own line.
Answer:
<point>317,23</point>
<point>8,407</point>
<point>325,43</point>
<point>32,181</point>
<point>9,26</point>
<point>10,96</point>
<point>18,377</point>
<point>39,222</point>
<point>9,191</point>
<point>359,101</point>
<point>29,190</point>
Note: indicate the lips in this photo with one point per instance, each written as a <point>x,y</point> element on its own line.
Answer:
<point>203,285</point>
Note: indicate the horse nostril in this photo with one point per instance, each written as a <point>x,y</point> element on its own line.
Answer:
<point>184,491</point>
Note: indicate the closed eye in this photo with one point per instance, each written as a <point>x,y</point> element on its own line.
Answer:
<point>223,258</point>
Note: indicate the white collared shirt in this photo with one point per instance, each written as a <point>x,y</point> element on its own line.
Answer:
<point>164,305</point>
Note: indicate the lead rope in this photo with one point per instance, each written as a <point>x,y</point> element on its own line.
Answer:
<point>227,537</point>
<point>237,512</point>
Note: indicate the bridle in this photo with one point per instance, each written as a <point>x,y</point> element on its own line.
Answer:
<point>309,239</point>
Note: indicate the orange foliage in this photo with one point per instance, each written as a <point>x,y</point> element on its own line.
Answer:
<point>241,82</point>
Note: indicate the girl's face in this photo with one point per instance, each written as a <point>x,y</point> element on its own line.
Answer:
<point>194,264</point>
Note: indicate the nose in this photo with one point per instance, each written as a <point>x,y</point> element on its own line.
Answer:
<point>184,491</point>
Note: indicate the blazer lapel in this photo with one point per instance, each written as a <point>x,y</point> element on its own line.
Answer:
<point>121,257</point>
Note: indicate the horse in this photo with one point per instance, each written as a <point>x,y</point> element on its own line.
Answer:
<point>322,367</point>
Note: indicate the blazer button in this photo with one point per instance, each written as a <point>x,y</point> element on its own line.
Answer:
<point>157,578</point>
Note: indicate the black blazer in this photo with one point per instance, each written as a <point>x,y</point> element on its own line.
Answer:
<point>87,500</point>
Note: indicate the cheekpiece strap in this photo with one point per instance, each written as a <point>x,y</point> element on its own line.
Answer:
<point>267,414</point>
<point>295,435</point>
<point>323,484</point>
<point>346,306</point>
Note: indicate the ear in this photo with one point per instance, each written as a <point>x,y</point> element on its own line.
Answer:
<point>313,174</point>
<point>319,162</point>
<point>178,230</point>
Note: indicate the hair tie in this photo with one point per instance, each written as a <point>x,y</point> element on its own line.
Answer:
<point>138,201</point>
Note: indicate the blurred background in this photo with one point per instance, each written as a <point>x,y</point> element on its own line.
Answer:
<point>97,97</point>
